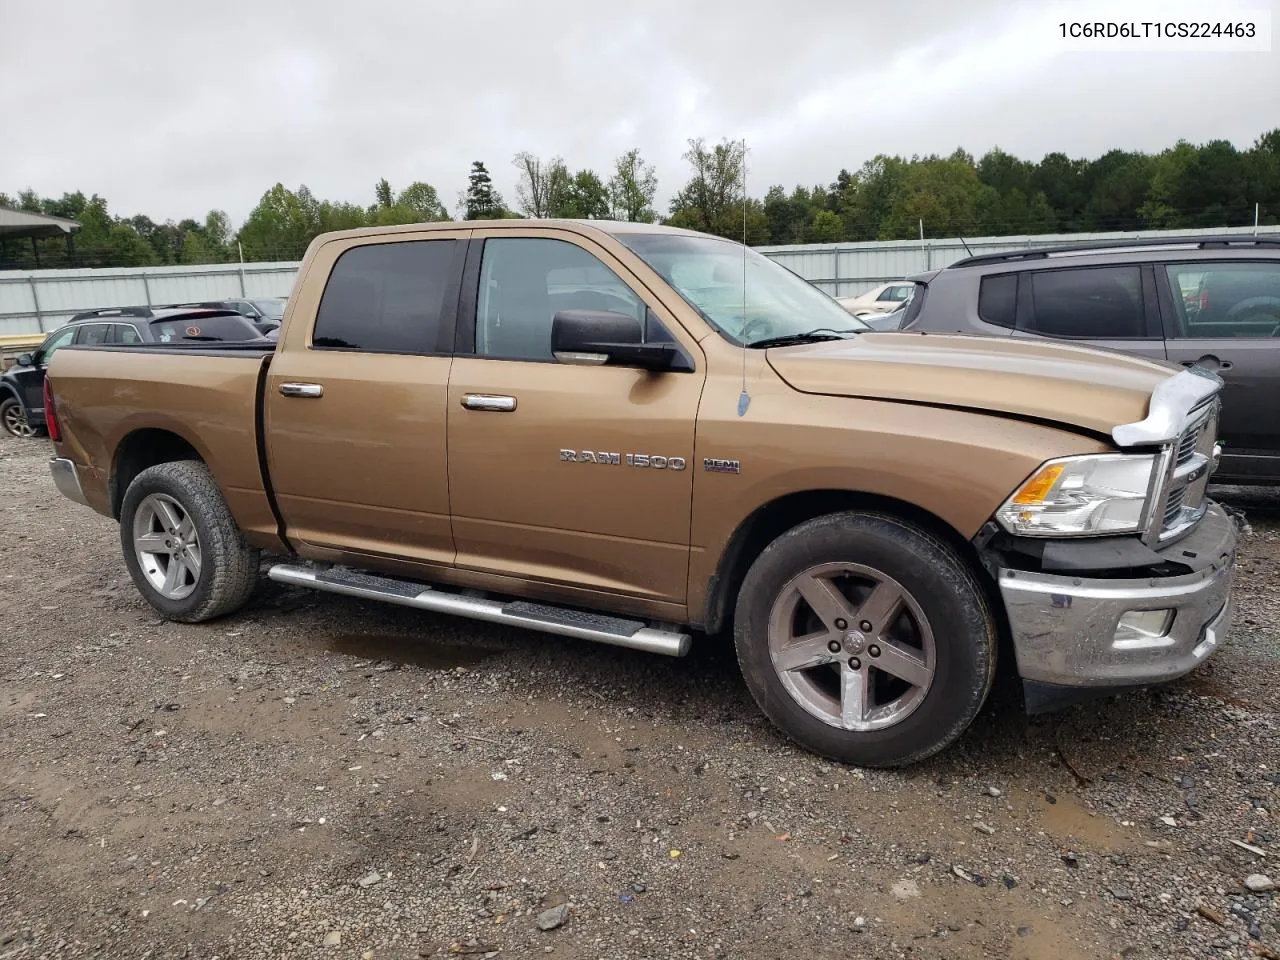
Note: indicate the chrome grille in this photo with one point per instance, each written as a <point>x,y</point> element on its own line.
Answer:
<point>1187,444</point>
<point>1173,508</point>
<point>1189,463</point>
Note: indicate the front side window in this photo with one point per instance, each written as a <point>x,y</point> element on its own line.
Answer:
<point>1219,300</point>
<point>387,298</point>
<point>1096,303</point>
<point>745,296</point>
<point>58,341</point>
<point>526,281</point>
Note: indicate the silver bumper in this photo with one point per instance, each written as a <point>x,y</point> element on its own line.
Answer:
<point>67,480</point>
<point>1065,628</point>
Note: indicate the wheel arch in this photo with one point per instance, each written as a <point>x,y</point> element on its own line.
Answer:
<point>770,520</point>
<point>143,448</point>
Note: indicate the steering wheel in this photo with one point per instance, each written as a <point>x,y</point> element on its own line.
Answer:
<point>1256,310</point>
<point>762,324</point>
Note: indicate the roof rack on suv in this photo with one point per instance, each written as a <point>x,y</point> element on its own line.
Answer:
<point>1092,246</point>
<point>113,312</point>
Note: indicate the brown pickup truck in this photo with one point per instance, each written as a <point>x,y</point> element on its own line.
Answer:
<point>628,434</point>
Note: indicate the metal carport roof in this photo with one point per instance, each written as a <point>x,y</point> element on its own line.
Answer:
<point>20,224</point>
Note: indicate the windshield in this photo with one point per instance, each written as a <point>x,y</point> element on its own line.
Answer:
<point>708,273</point>
<point>196,327</point>
<point>270,309</point>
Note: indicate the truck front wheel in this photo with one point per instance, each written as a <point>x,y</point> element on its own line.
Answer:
<point>865,638</point>
<point>182,546</point>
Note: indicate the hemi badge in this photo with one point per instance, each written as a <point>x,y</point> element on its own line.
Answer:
<point>716,465</point>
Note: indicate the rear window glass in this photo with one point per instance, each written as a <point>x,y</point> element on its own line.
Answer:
<point>998,299</point>
<point>197,329</point>
<point>387,298</point>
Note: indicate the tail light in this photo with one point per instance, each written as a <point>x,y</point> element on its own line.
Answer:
<point>51,413</point>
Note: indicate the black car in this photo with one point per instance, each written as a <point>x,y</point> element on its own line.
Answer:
<point>22,385</point>
<point>265,313</point>
<point>1211,302</point>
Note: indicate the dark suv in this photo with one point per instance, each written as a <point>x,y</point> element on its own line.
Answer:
<point>22,385</point>
<point>1207,301</point>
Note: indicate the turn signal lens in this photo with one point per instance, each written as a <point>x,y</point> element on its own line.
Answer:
<point>1036,490</point>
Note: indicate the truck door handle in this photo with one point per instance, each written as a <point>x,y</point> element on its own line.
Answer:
<point>1209,362</point>
<point>307,390</point>
<point>487,401</point>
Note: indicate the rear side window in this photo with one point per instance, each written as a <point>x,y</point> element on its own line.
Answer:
<point>998,299</point>
<point>1220,300</point>
<point>124,333</point>
<point>388,298</point>
<point>94,333</point>
<point>1095,303</point>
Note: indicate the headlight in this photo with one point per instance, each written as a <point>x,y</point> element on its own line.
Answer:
<point>1081,496</point>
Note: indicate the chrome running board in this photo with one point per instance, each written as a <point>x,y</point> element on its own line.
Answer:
<point>565,621</point>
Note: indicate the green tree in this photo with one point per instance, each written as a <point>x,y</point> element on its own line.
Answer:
<point>482,201</point>
<point>422,202</point>
<point>709,201</point>
<point>281,225</point>
<point>632,189</point>
<point>586,198</point>
<point>827,227</point>
<point>382,194</point>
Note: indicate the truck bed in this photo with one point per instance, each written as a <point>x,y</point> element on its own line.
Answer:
<point>206,394</point>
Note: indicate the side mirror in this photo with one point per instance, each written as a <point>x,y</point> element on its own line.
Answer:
<point>26,360</point>
<point>596,338</point>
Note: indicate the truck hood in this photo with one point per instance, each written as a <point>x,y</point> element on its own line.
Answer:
<point>1093,390</point>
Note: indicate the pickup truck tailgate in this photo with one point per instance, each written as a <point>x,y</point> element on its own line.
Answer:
<point>105,396</point>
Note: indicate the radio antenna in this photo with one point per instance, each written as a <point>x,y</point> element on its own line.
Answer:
<point>966,247</point>
<point>744,399</point>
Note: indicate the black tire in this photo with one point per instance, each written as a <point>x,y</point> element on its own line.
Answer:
<point>229,567</point>
<point>11,407</point>
<point>941,584</point>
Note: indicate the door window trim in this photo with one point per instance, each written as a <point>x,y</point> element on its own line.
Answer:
<point>464,344</point>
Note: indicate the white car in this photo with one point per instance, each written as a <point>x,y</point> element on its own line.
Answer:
<point>882,299</point>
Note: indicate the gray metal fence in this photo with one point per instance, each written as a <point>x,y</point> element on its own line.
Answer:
<point>37,301</point>
<point>42,300</point>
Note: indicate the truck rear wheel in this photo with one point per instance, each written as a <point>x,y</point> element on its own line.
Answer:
<point>182,546</point>
<point>865,639</point>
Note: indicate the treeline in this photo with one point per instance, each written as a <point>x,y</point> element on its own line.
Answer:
<point>887,198</point>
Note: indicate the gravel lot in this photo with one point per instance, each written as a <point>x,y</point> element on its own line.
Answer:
<point>324,777</point>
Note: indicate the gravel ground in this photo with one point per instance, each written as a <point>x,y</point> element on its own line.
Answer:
<point>324,777</point>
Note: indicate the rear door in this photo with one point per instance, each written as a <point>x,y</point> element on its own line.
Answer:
<point>1225,316</point>
<point>1113,307</point>
<point>356,393</point>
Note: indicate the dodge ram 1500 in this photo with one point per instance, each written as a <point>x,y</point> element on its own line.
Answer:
<point>628,433</point>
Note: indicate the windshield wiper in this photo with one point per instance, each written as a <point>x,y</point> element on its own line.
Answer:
<point>812,336</point>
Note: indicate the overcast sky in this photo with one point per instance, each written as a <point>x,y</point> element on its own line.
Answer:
<point>170,109</point>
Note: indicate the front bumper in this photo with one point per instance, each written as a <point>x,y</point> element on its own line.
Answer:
<point>67,480</point>
<point>1064,628</point>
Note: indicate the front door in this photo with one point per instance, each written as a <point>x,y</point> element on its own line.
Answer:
<point>31,379</point>
<point>560,473</point>
<point>1225,316</point>
<point>355,398</point>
